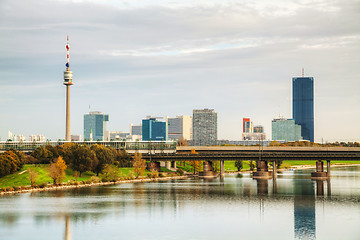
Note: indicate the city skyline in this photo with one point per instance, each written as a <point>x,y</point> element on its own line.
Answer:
<point>238,59</point>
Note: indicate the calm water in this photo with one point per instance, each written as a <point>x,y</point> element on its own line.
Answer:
<point>236,207</point>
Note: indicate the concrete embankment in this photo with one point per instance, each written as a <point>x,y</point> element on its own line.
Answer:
<point>64,187</point>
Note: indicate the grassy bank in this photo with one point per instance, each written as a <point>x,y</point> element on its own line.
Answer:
<point>21,178</point>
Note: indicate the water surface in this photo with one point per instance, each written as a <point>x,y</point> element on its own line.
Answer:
<point>235,207</point>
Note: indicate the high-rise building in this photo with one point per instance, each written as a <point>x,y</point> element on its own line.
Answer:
<point>154,130</point>
<point>135,129</point>
<point>95,123</point>
<point>285,130</point>
<point>247,125</point>
<point>180,127</point>
<point>204,127</point>
<point>251,132</point>
<point>303,105</point>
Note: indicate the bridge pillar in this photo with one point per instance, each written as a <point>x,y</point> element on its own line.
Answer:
<point>319,174</point>
<point>167,164</point>
<point>328,167</point>
<point>222,168</point>
<point>208,170</point>
<point>262,170</point>
<point>274,170</point>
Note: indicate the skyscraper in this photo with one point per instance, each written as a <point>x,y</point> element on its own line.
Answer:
<point>303,105</point>
<point>204,127</point>
<point>95,123</point>
<point>154,130</point>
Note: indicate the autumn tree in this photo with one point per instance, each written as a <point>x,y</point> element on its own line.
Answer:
<point>80,158</point>
<point>196,166</point>
<point>139,164</point>
<point>57,170</point>
<point>239,165</point>
<point>104,155</point>
<point>32,177</point>
<point>42,155</point>
<point>182,142</point>
<point>110,173</point>
<point>123,159</point>
<point>10,162</point>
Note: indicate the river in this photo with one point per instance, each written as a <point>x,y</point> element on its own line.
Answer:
<point>234,207</point>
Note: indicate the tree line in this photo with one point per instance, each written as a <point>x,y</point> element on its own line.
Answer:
<point>11,161</point>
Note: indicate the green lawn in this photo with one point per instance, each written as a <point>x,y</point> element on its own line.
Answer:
<point>17,179</point>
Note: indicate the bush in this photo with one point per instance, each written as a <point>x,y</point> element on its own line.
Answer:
<point>153,175</point>
<point>42,185</point>
<point>180,172</point>
<point>162,175</point>
<point>95,179</point>
<point>16,188</point>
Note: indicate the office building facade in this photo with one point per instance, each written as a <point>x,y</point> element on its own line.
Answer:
<point>285,130</point>
<point>180,127</point>
<point>95,125</point>
<point>154,130</point>
<point>204,127</point>
<point>303,105</point>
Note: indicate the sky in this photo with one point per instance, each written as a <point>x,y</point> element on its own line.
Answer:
<point>131,59</point>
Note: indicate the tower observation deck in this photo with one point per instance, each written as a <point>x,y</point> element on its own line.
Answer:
<point>68,76</point>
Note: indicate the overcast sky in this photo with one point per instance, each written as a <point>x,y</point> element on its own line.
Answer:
<point>136,58</point>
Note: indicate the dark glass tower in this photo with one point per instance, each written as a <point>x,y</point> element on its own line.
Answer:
<point>303,106</point>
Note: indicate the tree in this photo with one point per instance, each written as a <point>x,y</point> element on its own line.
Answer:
<point>251,165</point>
<point>57,170</point>
<point>239,165</point>
<point>43,155</point>
<point>123,159</point>
<point>104,155</point>
<point>9,163</point>
<point>80,158</point>
<point>139,164</point>
<point>32,177</point>
<point>182,142</point>
<point>196,165</point>
<point>110,173</point>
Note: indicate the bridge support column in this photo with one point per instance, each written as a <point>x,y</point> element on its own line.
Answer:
<point>319,174</point>
<point>222,168</point>
<point>328,167</point>
<point>167,164</point>
<point>274,175</point>
<point>208,170</point>
<point>262,170</point>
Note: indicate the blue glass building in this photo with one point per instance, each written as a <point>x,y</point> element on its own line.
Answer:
<point>154,130</point>
<point>303,106</point>
<point>95,122</point>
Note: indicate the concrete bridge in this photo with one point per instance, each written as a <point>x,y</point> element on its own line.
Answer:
<point>262,156</point>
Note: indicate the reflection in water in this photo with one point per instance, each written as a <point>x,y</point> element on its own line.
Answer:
<point>304,210</point>
<point>67,228</point>
<point>203,208</point>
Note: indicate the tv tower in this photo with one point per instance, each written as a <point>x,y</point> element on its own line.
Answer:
<point>68,82</point>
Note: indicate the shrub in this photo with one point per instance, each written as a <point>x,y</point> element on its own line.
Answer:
<point>95,179</point>
<point>162,175</point>
<point>16,188</point>
<point>42,185</point>
<point>180,172</point>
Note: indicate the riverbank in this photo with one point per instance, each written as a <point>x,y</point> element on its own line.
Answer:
<point>64,187</point>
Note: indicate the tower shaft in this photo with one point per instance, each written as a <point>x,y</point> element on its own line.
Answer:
<point>67,133</point>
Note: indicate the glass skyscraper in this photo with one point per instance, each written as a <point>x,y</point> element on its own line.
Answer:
<point>95,123</point>
<point>303,106</point>
<point>154,130</point>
